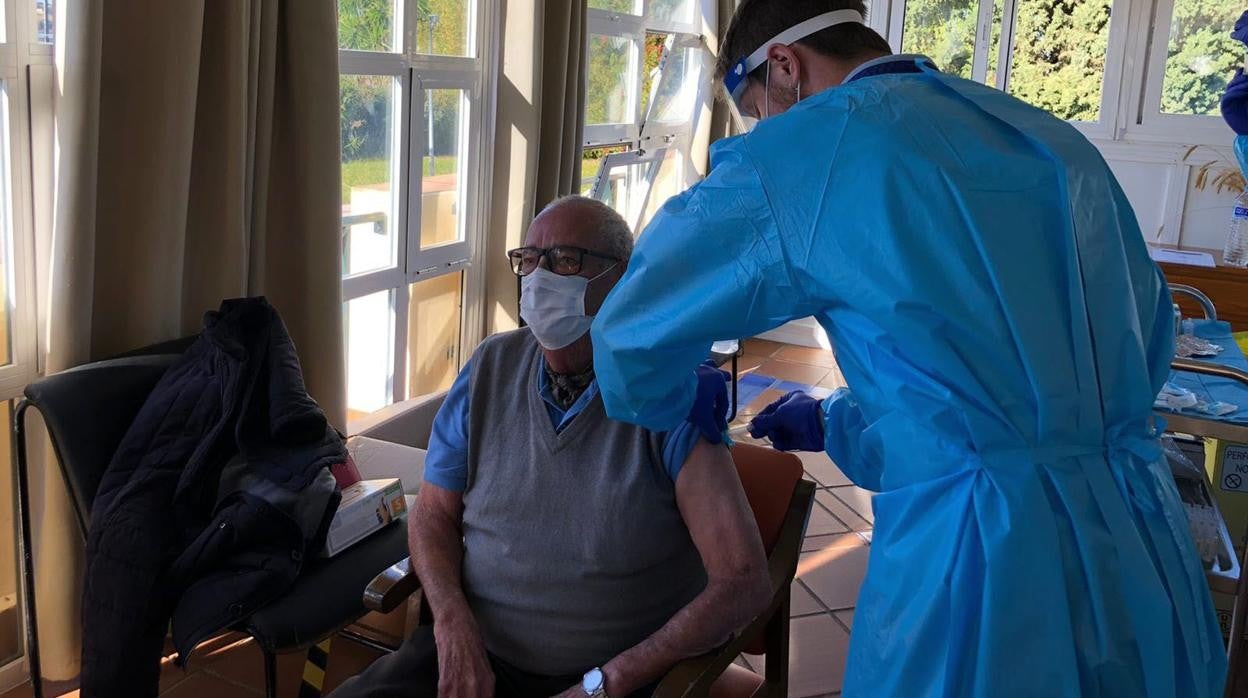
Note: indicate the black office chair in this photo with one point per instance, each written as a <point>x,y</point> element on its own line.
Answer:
<point>87,411</point>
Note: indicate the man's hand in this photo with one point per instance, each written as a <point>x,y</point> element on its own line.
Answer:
<point>463,666</point>
<point>574,692</point>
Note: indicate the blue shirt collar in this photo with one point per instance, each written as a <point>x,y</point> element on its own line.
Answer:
<point>876,64</point>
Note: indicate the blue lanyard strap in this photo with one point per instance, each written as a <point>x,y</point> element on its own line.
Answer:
<point>896,67</point>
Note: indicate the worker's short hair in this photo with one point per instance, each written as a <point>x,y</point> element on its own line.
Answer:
<point>611,228</point>
<point>757,21</point>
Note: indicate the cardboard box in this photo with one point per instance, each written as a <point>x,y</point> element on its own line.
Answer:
<point>1227,464</point>
<point>366,507</point>
<point>376,459</point>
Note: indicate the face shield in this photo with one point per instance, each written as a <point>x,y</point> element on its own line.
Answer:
<point>738,78</point>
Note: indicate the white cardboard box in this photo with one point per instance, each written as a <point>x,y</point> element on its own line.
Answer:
<point>377,459</point>
<point>366,507</point>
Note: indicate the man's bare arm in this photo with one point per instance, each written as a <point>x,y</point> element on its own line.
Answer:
<point>738,588</point>
<point>436,541</point>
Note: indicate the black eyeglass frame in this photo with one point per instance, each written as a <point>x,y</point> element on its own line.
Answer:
<point>548,254</point>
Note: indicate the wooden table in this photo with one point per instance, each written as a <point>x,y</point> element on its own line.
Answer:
<point>1226,286</point>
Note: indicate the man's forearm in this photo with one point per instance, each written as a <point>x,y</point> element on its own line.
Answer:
<point>437,557</point>
<point>724,607</point>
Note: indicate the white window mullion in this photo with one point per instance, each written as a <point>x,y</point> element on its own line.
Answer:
<point>983,41</point>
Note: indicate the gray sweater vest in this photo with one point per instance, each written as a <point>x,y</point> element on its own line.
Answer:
<point>574,548</point>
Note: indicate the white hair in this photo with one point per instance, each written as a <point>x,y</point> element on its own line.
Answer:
<point>616,236</point>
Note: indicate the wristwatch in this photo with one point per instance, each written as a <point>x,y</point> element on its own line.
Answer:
<point>595,683</point>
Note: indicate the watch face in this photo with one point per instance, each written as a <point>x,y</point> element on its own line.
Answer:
<point>592,683</point>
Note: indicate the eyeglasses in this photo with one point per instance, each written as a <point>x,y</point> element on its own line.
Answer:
<point>562,260</point>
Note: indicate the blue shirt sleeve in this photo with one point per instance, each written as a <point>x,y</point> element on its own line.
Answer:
<point>446,464</point>
<point>677,445</point>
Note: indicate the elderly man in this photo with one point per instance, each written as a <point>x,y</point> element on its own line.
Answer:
<point>561,551</point>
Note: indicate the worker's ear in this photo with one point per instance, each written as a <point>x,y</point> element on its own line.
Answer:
<point>786,66</point>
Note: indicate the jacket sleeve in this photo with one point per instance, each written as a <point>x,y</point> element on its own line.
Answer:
<point>843,425</point>
<point>709,267</point>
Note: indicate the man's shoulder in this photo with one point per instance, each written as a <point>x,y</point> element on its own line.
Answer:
<point>505,343</point>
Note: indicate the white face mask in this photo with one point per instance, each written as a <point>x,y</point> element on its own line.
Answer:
<point>553,306</point>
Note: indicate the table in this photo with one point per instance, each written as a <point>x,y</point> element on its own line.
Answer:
<point>1226,286</point>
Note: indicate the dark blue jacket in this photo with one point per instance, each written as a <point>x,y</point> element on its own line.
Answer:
<point>216,494</point>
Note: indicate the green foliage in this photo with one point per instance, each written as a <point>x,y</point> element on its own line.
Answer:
<point>366,25</point>
<point>1201,57</point>
<point>1059,56</point>
<point>1060,46</point>
<point>607,75</point>
<point>358,173</point>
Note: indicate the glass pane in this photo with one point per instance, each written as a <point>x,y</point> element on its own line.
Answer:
<point>675,95</point>
<point>610,78</point>
<point>668,11</point>
<point>1059,56</point>
<point>628,7</point>
<point>7,300</point>
<point>434,314</point>
<point>442,27</point>
<point>45,24</point>
<point>994,47</point>
<point>627,184</point>
<point>368,338</point>
<point>442,175</point>
<point>366,25</point>
<point>668,182</point>
<point>591,163</point>
<point>369,174</point>
<point>944,30</point>
<point>1201,58</point>
<point>656,48</point>
<point>10,625</point>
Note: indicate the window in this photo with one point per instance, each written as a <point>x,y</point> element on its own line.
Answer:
<point>648,73</point>
<point>45,15</point>
<point>412,119</point>
<point>1053,54</point>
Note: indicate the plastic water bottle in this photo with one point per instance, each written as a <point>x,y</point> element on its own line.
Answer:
<point>1236,251</point>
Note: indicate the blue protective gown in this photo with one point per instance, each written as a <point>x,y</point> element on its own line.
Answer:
<point>994,310</point>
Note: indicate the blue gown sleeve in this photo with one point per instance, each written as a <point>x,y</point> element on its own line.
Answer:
<point>710,266</point>
<point>446,464</point>
<point>677,445</point>
<point>843,425</point>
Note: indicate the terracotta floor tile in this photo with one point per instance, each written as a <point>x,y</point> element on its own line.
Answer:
<point>822,523</point>
<point>204,685</point>
<point>833,380</point>
<point>802,603</point>
<point>814,544</point>
<point>858,499</point>
<point>244,664</point>
<point>842,511</point>
<point>806,355</point>
<point>818,646</point>
<point>760,403</point>
<point>846,617</point>
<point>835,574</point>
<point>746,364</point>
<point>762,347</point>
<point>22,691</point>
<point>346,659</point>
<point>823,469</point>
<point>798,373</point>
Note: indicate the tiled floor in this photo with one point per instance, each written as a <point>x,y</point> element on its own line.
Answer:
<point>833,562</point>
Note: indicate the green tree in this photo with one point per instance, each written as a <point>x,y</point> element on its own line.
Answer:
<point>943,30</point>
<point>1059,56</point>
<point>1201,56</point>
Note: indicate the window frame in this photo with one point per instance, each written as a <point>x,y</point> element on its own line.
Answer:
<point>1143,118</point>
<point>1111,80</point>
<point>415,74</point>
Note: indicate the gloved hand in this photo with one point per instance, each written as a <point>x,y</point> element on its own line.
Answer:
<point>1235,100</point>
<point>710,404</point>
<point>792,423</point>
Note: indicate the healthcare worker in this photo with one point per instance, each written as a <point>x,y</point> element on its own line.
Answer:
<point>1003,332</point>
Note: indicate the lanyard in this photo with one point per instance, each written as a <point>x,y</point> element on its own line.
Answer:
<point>897,66</point>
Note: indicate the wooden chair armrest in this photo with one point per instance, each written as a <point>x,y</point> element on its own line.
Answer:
<point>390,589</point>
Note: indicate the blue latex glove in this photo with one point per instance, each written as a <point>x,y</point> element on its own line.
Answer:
<point>792,423</point>
<point>710,405</point>
<point>1235,99</point>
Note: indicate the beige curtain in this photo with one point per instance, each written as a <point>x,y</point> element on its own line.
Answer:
<point>198,160</point>
<point>538,132</point>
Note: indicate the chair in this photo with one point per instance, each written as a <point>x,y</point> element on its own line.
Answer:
<point>87,411</point>
<point>781,502</point>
